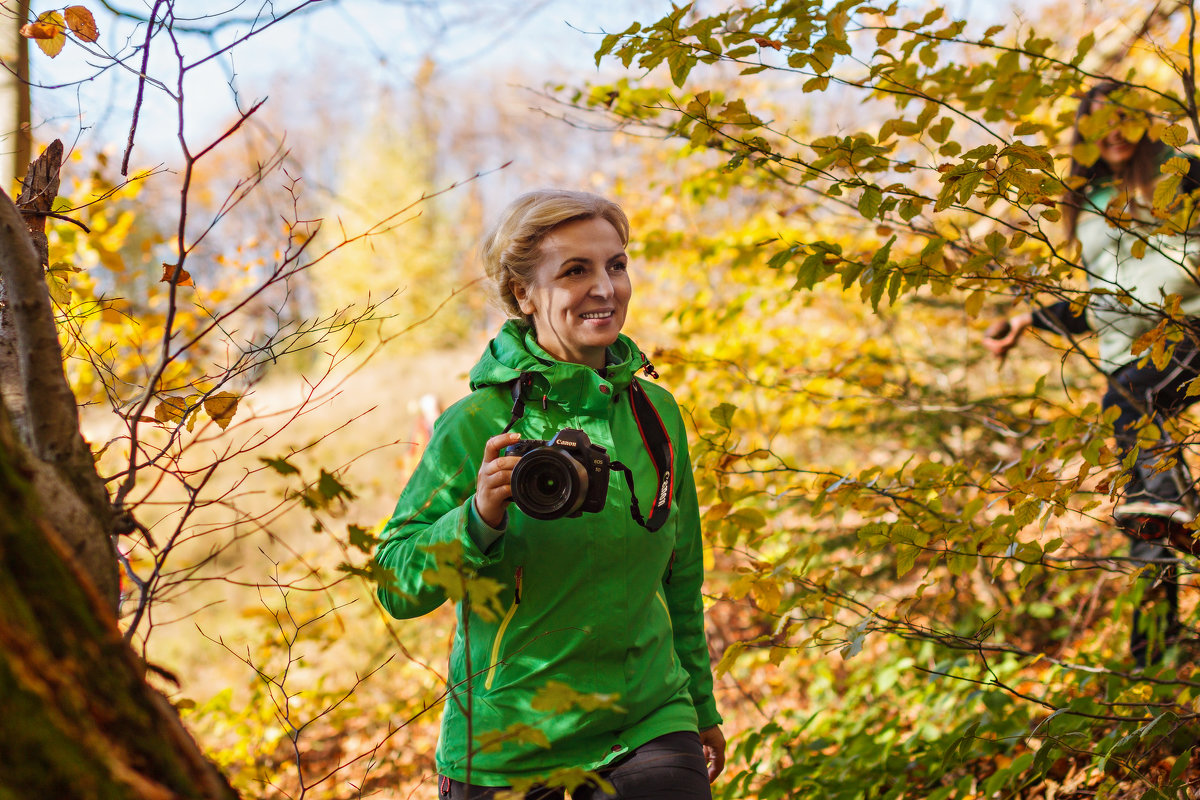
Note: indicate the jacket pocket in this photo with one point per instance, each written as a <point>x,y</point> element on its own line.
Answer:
<point>494,659</point>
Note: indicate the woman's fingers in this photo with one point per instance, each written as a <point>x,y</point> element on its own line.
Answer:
<point>493,485</point>
<point>493,446</point>
<point>713,742</point>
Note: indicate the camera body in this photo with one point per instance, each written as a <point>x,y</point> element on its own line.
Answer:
<point>563,477</point>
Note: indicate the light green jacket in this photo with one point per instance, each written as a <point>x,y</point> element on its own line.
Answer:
<point>1139,286</point>
<point>604,606</point>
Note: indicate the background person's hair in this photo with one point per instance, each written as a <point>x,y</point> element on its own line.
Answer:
<point>510,250</point>
<point>1136,177</point>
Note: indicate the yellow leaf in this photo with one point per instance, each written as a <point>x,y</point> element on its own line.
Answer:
<point>111,259</point>
<point>1177,165</point>
<point>171,409</point>
<point>82,23</point>
<point>1086,153</point>
<point>1146,340</point>
<point>1175,136</point>
<point>221,407</point>
<point>60,293</point>
<point>728,658</point>
<point>191,403</point>
<point>974,302</point>
<point>768,595</point>
<point>1166,191</point>
<point>50,32</point>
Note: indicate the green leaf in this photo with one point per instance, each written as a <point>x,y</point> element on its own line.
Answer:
<point>280,465</point>
<point>681,65</point>
<point>330,488</point>
<point>868,204</point>
<point>723,415</point>
<point>1085,46</point>
<point>362,539</point>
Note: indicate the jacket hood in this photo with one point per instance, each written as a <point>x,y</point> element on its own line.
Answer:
<point>515,350</point>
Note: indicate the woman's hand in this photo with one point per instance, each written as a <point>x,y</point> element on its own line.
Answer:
<point>1004,335</point>
<point>493,486</point>
<point>714,750</point>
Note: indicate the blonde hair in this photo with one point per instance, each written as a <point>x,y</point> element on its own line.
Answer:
<point>511,249</point>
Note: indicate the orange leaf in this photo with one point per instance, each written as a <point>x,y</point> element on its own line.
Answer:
<point>172,272</point>
<point>51,32</point>
<point>39,30</point>
<point>82,23</point>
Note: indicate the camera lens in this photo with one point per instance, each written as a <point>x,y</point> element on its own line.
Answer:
<point>548,484</point>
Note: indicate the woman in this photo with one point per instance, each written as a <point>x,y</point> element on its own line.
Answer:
<point>1109,214</point>
<point>600,602</point>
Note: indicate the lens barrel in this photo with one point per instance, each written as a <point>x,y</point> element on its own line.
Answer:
<point>549,484</point>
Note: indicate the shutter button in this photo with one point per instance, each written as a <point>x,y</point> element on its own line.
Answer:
<point>604,389</point>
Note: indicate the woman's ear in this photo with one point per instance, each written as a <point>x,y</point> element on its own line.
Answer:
<point>524,301</point>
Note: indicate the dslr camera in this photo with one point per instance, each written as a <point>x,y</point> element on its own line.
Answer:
<point>562,477</point>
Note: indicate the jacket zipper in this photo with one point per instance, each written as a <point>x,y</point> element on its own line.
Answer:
<point>491,676</point>
<point>663,600</point>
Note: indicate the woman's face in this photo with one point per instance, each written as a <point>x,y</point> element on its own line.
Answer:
<point>580,291</point>
<point>1115,149</point>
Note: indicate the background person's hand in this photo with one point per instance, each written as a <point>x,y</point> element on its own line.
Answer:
<point>1004,334</point>
<point>714,750</point>
<point>493,486</point>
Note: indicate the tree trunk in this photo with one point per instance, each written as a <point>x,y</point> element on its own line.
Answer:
<point>34,388</point>
<point>78,718</point>
<point>15,111</point>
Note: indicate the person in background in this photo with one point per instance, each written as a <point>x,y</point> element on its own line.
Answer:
<point>1108,214</point>
<point>596,600</point>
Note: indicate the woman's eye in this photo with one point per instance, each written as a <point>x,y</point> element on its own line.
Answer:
<point>619,266</point>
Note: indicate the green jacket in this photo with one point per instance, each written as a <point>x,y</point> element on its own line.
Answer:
<point>596,603</point>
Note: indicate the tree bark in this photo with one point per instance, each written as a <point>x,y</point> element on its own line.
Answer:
<point>34,387</point>
<point>78,719</point>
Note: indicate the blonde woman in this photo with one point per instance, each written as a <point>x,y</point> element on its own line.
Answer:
<point>598,596</point>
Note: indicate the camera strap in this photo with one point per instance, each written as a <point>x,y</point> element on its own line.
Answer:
<point>520,389</point>
<point>662,453</point>
<point>654,437</point>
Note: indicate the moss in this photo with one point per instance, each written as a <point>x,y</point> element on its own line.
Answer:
<point>75,702</point>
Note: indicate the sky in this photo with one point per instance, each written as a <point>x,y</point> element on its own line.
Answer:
<point>369,40</point>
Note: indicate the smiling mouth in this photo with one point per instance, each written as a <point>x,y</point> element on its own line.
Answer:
<point>597,315</point>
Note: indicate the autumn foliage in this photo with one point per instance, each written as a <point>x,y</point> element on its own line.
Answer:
<point>915,588</point>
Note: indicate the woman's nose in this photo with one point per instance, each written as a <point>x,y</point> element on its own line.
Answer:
<point>602,285</point>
